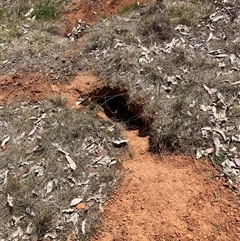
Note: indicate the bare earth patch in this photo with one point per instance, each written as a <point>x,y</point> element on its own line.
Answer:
<point>92,11</point>
<point>170,198</point>
<point>35,86</point>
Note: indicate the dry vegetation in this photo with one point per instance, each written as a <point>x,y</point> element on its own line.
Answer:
<point>17,15</point>
<point>147,52</point>
<point>32,34</point>
<point>177,58</point>
<point>37,182</point>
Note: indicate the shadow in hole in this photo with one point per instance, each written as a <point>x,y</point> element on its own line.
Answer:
<point>116,108</point>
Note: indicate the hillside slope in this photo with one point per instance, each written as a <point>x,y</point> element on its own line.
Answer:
<point>119,120</point>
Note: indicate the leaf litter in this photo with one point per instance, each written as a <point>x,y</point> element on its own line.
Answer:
<point>65,173</point>
<point>195,68</point>
<point>79,166</point>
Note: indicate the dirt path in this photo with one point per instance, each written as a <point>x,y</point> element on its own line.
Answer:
<point>175,198</point>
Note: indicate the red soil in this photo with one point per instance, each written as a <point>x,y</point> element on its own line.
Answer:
<point>34,86</point>
<point>92,11</point>
<point>170,198</point>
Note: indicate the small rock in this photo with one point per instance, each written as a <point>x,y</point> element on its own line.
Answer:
<point>190,228</point>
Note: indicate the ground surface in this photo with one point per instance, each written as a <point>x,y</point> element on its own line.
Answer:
<point>35,86</point>
<point>160,198</point>
<point>173,197</point>
<point>169,198</point>
<point>92,12</point>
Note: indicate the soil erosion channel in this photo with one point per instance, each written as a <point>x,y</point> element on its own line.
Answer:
<point>168,198</point>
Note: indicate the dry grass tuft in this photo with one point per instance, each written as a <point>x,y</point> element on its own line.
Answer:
<point>189,13</point>
<point>40,181</point>
<point>167,80</point>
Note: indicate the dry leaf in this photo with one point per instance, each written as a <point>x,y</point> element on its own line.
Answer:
<point>72,164</point>
<point>32,131</point>
<point>75,201</point>
<point>84,226</point>
<point>4,142</point>
<point>10,201</point>
<point>49,187</point>
<point>210,37</point>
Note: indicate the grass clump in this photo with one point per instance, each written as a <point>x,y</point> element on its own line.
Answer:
<point>157,28</point>
<point>15,15</point>
<point>59,101</point>
<point>1,14</point>
<point>41,182</point>
<point>189,13</point>
<point>45,11</point>
<point>43,223</point>
<point>178,119</point>
<point>129,8</point>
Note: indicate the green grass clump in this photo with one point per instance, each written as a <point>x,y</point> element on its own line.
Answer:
<point>190,13</point>
<point>1,14</point>
<point>129,8</point>
<point>13,16</point>
<point>45,11</point>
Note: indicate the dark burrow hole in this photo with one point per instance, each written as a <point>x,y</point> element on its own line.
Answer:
<point>116,107</point>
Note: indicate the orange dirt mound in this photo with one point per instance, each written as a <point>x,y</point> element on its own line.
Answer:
<point>175,198</point>
<point>34,86</point>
